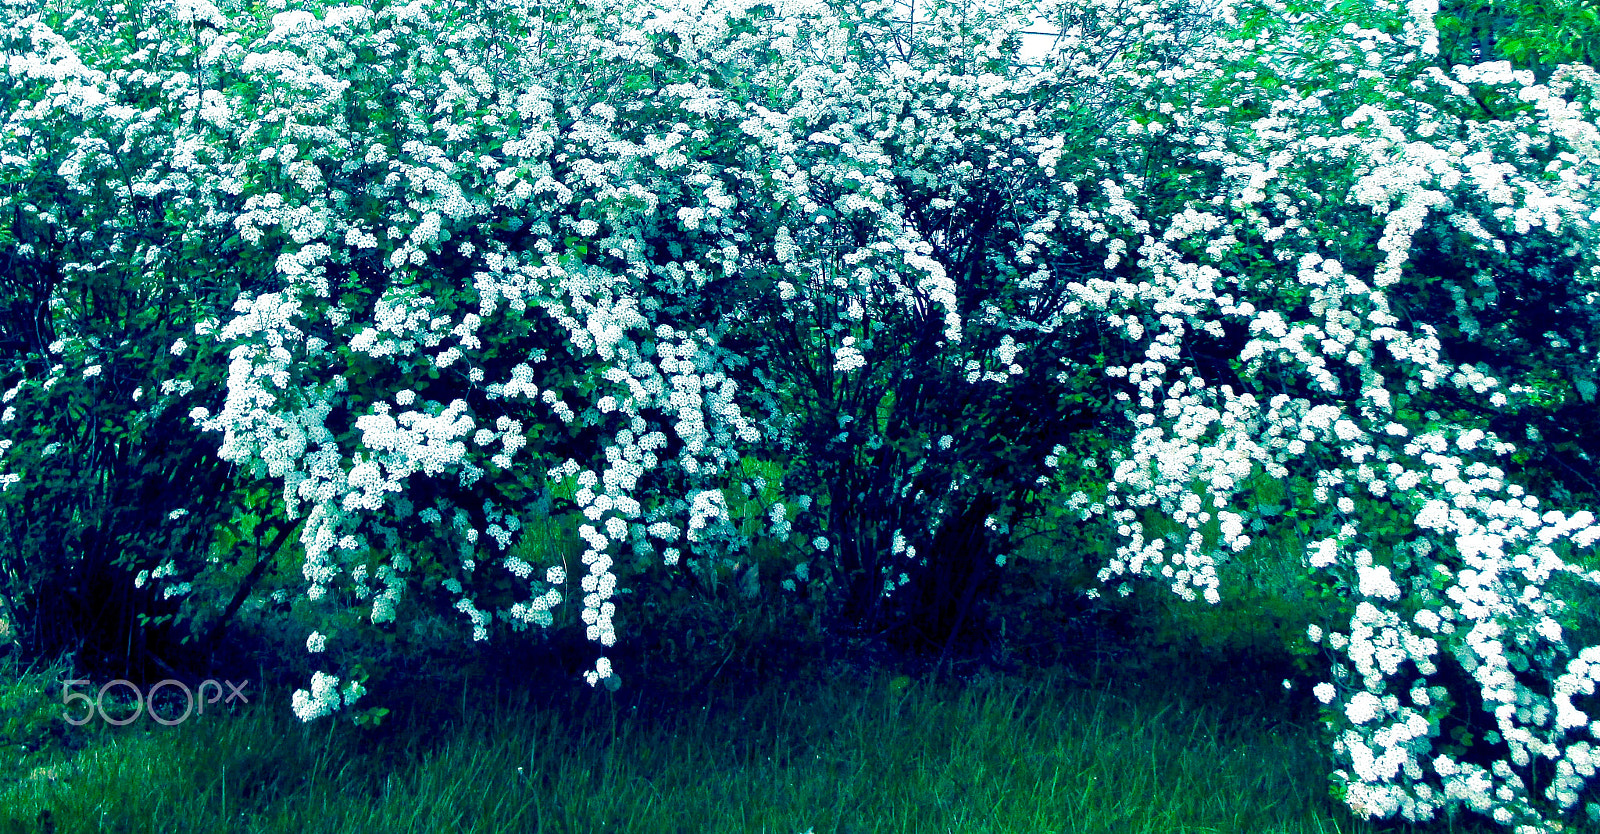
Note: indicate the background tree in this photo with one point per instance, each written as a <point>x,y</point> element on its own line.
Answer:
<point>1533,36</point>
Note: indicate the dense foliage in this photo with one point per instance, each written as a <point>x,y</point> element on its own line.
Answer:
<point>1202,282</point>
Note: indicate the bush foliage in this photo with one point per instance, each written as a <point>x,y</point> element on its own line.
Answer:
<point>807,298</point>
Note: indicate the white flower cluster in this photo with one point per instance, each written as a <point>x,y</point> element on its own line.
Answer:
<point>325,697</point>
<point>848,357</point>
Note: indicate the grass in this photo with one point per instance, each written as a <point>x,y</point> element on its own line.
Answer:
<point>845,748</point>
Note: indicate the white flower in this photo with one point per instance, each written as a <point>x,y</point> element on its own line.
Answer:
<point>1375,581</point>
<point>316,643</point>
<point>848,358</point>
<point>1323,554</point>
<point>1363,707</point>
<point>1324,692</point>
<point>290,21</point>
<point>322,700</point>
<point>602,667</point>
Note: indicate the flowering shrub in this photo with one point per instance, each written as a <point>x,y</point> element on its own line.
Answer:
<point>483,256</point>
<point>1450,566</point>
<point>107,267</point>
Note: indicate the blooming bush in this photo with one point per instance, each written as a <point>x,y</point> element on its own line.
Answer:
<point>107,268</point>
<point>1443,554</point>
<point>1202,277</point>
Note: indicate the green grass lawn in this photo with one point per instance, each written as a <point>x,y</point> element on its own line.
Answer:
<point>839,747</point>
